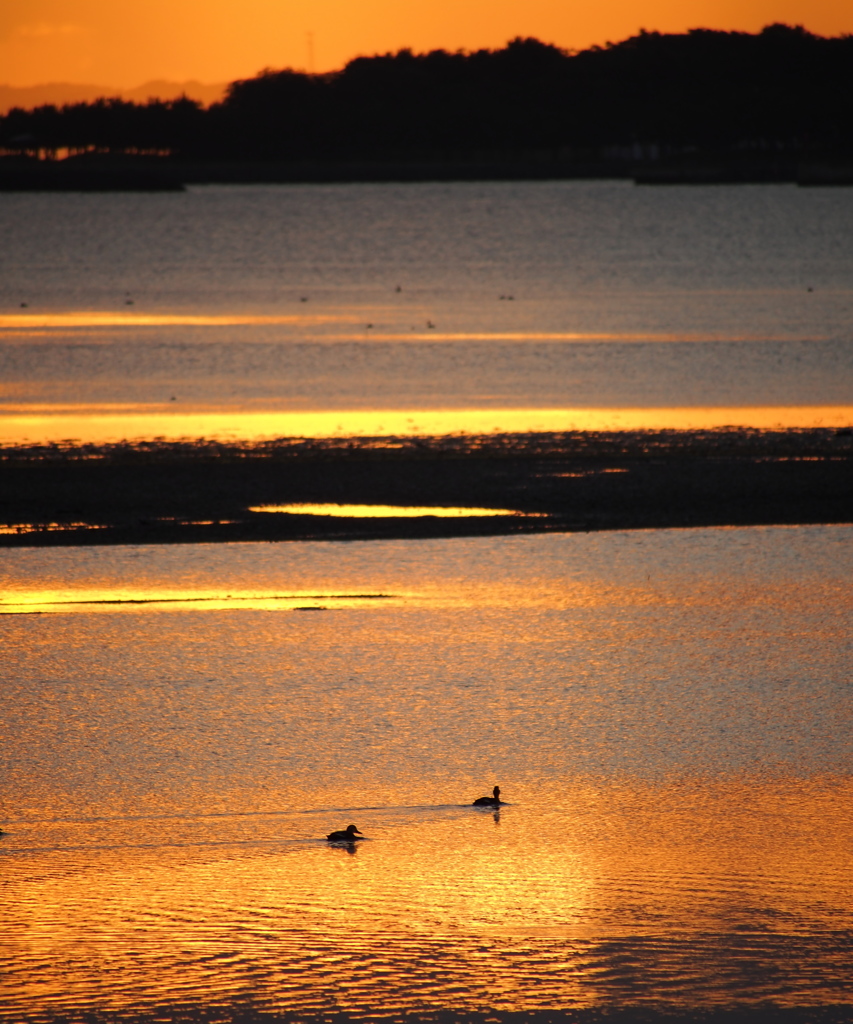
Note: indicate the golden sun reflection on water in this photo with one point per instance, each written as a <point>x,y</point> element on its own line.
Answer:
<point>32,324</point>
<point>579,899</point>
<point>425,596</point>
<point>97,425</point>
<point>667,714</point>
<point>382,511</point>
<point>25,322</point>
<point>123,598</point>
<point>382,587</point>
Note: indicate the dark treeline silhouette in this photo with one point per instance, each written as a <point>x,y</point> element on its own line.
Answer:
<point>107,125</point>
<point>782,90</point>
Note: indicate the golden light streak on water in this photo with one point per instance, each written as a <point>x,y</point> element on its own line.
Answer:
<point>373,591</point>
<point>371,588</point>
<point>442,905</point>
<point>94,425</point>
<point>116,599</point>
<point>165,599</point>
<point>13,325</point>
<point>383,511</point>
<point>24,322</point>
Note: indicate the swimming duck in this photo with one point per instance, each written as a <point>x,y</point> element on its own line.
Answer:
<point>489,801</point>
<point>347,835</point>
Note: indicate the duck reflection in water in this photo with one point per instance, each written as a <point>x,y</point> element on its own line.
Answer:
<point>348,835</point>
<point>489,801</point>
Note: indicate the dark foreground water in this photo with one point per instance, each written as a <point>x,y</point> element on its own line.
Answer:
<point>668,714</point>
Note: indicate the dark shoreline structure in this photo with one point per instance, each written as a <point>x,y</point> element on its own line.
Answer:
<point>702,106</point>
<point>200,492</point>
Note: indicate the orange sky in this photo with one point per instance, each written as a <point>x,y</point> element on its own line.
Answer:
<point>124,43</point>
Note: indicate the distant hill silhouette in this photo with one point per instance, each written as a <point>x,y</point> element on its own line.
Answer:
<point>780,91</point>
<point>59,94</point>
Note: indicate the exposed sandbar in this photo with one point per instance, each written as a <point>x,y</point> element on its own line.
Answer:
<point>202,491</point>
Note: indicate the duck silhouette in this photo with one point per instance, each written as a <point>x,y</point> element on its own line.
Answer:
<point>489,801</point>
<point>347,835</point>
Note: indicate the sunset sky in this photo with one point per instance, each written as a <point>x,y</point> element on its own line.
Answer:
<point>124,44</point>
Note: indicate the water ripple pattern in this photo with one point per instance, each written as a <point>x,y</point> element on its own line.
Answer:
<point>668,714</point>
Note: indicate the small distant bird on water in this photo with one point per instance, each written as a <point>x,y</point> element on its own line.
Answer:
<point>489,801</point>
<point>347,835</point>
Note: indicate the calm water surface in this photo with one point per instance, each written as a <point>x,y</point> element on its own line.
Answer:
<point>363,300</point>
<point>668,714</point>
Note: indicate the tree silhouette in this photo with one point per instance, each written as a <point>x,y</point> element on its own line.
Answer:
<point>782,90</point>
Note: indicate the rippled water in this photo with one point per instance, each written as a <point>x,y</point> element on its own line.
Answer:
<point>668,714</point>
<point>470,297</point>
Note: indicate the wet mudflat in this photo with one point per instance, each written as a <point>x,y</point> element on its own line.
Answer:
<point>585,481</point>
